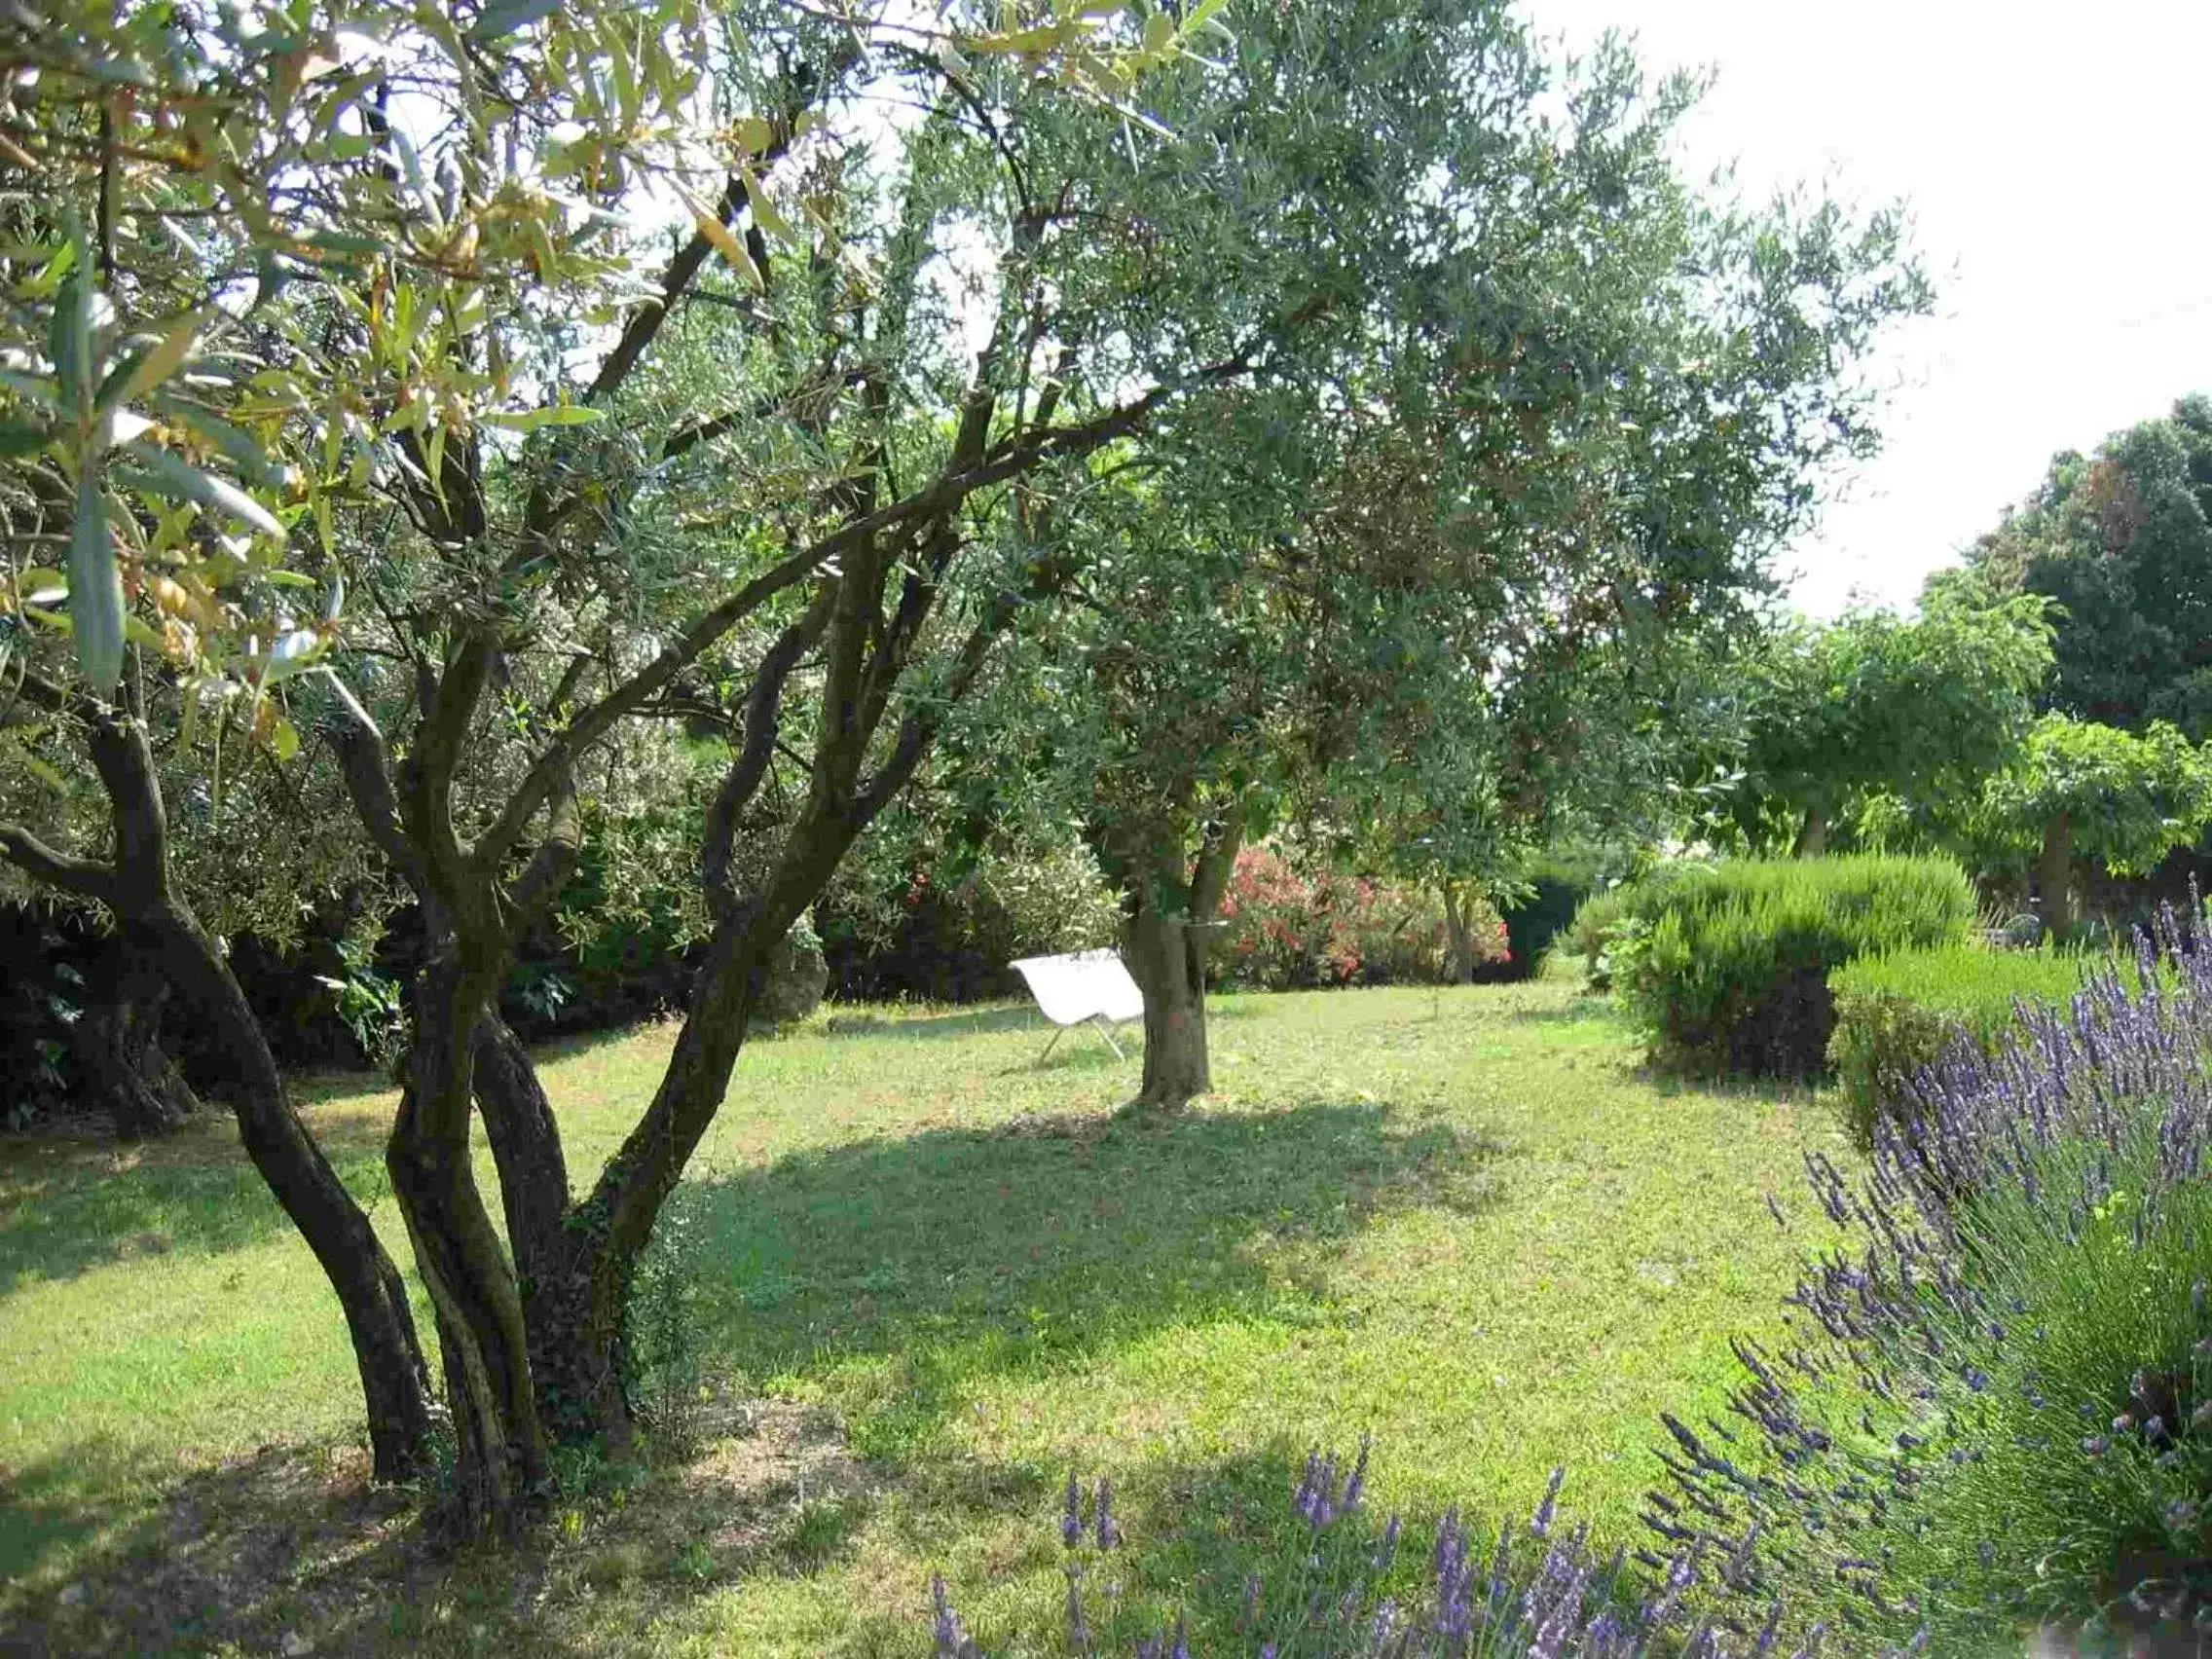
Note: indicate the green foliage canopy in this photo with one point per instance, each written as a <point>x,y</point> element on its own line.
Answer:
<point>1923,709</point>
<point>2120,542</point>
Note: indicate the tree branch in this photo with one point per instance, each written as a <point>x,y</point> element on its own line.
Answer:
<point>364,761</point>
<point>541,879</point>
<point>764,711</point>
<point>85,878</point>
<point>597,720</point>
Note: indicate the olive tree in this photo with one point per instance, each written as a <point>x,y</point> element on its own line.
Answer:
<point>2079,790</point>
<point>1371,591</point>
<point>287,282</point>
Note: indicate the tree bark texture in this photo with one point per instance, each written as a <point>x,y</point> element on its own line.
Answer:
<point>157,938</point>
<point>387,1352</point>
<point>2054,874</point>
<point>116,1043</point>
<point>1167,915</point>
<point>501,1467</point>
<point>1458,935</point>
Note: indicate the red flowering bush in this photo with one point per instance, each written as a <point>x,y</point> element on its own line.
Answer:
<point>1282,930</point>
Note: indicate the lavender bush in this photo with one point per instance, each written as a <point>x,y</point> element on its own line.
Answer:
<point>1537,1590</point>
<point>1995,1412</point>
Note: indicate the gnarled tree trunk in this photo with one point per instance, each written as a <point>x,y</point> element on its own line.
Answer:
<point>574,1338</point>
<point>1813,834</point>
<point>501,1467</point>
<point>158,935</point>
<point>116,1043</point>
<point>387,1352</point>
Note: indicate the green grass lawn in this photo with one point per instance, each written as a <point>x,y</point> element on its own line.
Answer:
<point>930,1278</point>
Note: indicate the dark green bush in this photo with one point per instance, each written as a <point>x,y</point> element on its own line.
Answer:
<point>1560,885</point>
<point>1727,968</point>
<point>1899,1013</point>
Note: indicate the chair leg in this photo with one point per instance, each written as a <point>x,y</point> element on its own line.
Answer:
<point>1058,1032</point>
<point>1106,1031</point>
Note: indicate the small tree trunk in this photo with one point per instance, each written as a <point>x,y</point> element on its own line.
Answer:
<point>500,1467</point>
<point>1459,936</point>
<point>394,1381</point>
<point>2054,873</point>
<point>1166,950</point>
<point>116,1045</point>
<point>1813,834</point>
<point>1167,958</point>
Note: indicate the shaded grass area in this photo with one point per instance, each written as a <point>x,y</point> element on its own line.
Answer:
<point>931,1276</point>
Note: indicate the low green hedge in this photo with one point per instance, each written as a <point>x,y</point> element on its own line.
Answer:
<point>1726,966</point>
<point>1898,1014</point>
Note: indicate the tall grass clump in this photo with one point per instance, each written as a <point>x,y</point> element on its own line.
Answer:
<point>1899,1013</point>
<point>1996,1414</point>
<point>1727,969</point>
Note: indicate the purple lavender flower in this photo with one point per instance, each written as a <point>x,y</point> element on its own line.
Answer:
<point>1540,1523</point>
<point>1108,1531</point>
<point>953,1641</point>
<point>1071,1514</point>
<point>1356,1486</point>
<point>1387,1552</point>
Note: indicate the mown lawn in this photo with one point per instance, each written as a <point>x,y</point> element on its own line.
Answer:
<point>930,1278</point>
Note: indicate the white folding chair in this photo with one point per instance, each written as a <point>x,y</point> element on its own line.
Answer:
<point>1087,987</point>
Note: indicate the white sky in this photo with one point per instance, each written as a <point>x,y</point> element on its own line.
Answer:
<point>2058,163</point>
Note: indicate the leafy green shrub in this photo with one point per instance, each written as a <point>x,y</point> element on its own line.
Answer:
<point>1285,930</point>
<point>916,916</point>
<point>1590,935</point>
<point>1899,1013</point>
<point>1727,968</point>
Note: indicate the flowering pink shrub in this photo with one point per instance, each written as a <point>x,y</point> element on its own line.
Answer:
<point>1282,929</point>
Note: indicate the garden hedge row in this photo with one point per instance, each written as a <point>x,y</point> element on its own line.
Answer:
<point>1726,966</point>
<point>1899,1013</point>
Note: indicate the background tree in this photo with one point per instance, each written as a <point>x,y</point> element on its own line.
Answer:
<point>1923,709</point>
<point>2120,542</point>
<point>2079,790</point>
<point>1379,581</point>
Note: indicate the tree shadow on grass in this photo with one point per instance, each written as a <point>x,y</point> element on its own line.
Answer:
<point>292,1543</point>
<point>68,1205</point>
<point>959,1253</point>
